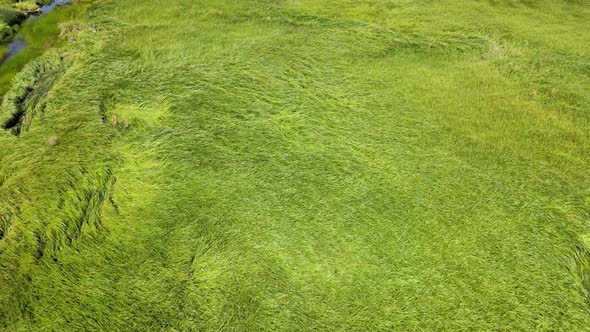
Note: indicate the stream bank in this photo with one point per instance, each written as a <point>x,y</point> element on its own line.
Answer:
<point>37,32</point>
<point>18,44</point>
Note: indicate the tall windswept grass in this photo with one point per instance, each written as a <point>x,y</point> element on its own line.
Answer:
<point>299,166</point>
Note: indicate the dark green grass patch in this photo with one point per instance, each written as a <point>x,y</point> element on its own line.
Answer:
<point>11,16</point>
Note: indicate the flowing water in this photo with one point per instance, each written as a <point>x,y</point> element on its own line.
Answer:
<point>47,8</point>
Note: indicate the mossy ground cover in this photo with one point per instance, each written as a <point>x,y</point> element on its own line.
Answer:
<point>301,165</point>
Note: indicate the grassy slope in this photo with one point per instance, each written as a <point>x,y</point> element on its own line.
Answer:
<point>306,165</point>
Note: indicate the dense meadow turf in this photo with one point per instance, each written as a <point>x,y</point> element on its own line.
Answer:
<point>300,165</point>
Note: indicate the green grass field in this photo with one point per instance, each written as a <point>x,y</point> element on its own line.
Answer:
<point>300,165</point>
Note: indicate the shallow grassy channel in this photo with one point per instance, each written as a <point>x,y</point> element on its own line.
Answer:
<point>299,165</point>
